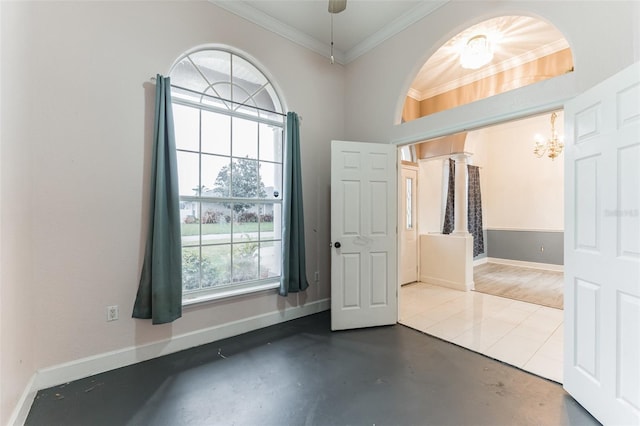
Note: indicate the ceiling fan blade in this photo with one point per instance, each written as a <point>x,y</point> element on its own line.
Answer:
<point>337,6</point>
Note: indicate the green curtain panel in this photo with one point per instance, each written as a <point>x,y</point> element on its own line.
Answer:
<point>294,277</point>
<point>160,291</point>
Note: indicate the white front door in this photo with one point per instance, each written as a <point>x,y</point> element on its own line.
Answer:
<point>363,235</point>
<point>602,249</point>
<point>408,225</point>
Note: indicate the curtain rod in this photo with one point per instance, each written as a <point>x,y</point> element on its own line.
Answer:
<point>225,100</point>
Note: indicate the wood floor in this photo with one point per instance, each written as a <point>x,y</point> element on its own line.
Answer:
<point>538,286</point>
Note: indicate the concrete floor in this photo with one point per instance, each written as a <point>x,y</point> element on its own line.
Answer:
<point>301,373</point>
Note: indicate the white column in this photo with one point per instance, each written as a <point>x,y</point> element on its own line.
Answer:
<point>461,196</point>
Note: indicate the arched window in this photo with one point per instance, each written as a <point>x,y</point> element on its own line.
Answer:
<point>229,139</point>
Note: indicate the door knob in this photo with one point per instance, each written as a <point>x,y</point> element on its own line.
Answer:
<point>337,244</point>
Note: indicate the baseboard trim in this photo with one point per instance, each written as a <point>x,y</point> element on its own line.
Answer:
<point>21,411</point>
<point>480,261</point>
<point>523,229</point>
<point>447,283</point>
<point>85,367</point>
<point>522,263</point>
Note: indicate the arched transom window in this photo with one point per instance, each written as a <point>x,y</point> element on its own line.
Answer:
<point>486,59</point>
<point>229,139</point>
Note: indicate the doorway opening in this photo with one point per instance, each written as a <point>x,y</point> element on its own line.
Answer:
<point>515,311</point>
<point>521,201</point>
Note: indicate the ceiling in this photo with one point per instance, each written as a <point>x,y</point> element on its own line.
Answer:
<point>366,23</point>
<point>360,27</point>
<point>515,40</point>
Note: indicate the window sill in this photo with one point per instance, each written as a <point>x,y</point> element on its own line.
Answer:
<point>225,294</point>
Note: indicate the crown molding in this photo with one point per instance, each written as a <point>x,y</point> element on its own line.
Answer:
<point>485,72</point>
<point>415,94</point>
<point>267,22</point>
<point>243,10</point>
<point>394,27</point>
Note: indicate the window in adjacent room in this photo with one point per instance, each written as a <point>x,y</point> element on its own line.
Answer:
<point>229,139</point>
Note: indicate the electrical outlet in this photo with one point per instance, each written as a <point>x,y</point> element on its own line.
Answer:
<point>112,313</point>
<point>316,276</point>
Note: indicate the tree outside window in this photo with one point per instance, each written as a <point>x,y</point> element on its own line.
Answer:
<point>230,172</point>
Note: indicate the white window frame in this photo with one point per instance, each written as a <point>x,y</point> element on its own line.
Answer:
<point>238,110</point>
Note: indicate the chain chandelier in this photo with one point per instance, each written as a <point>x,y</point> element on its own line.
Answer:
<point>553,146</point>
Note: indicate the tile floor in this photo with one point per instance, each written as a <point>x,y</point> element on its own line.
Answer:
<point>522,334</point>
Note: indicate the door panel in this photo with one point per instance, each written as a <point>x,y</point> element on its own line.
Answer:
<point>602,249</point>
<point>363,224</point>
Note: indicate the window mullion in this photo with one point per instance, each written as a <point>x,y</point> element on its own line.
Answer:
<point>230,200</point>
<point>199,192</point>
<point>217,250</point>
<point>231,79</point>
<point>231,112</point>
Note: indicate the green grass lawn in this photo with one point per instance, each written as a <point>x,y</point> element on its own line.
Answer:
<point>188,229</point>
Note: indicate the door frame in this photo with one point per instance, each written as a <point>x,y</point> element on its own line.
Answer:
<point>569,222</point>
<point>398,225</point>
<point>444,127</point>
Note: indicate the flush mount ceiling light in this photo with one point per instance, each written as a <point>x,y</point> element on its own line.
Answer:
<point>476,53</point>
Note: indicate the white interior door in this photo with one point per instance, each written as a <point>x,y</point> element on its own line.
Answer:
<point>408,225</point>
<point>363,234</point>
<point>602,249</point>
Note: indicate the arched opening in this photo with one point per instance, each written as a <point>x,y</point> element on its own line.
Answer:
<point>486,59</point>
<point>521,51</point>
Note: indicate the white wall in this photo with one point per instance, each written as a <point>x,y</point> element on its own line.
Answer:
<point>521,191</point>
<point>75,154</point>
<point>430,195</point>
<point>17,304</point>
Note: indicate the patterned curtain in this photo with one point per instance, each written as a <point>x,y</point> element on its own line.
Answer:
<point>447,228</point>
<point>474,207</point>
<point>474,210</point>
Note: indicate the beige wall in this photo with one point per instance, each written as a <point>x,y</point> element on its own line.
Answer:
<point>519,191</point>
<point>75,164</point>
<point>411,109</point>
<point>532,72</point>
